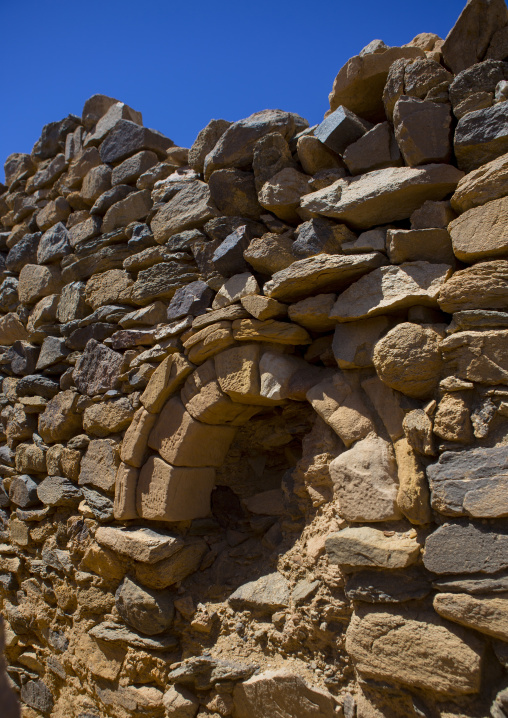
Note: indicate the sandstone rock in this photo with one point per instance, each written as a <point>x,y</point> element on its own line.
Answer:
<point>479,233</point>
<point>30,458</point>
<point>487,615</point>
<point>134,207</point>
<point>354,342</point>
<point>422,130</point>
<point>360,83</point>
<point>60,420</point>
<point>320,274</point>
<point>258,696</point>
<point>165,381</point>
<point>23,491</point>
<point>161,282</point>
<point>481,137</point>
<point>313,313</point>
<point>270,253</point>
<point>147,316</point>
<point>470,483</point>
<point>189,208</point>
<point>263,307</point>
<point>205,142</point>
<point>281,194</point>
<point>139,543</point>
<point>95,184</point>
<point>480,186</point>
<point>388,289</point>
<point>365,481</point>
<point>179,565</point>
<point>235,148</point>
<point>384,195</point>
<point>233,192</point>
<point>477,356</point>
<point>457,548</point>
<point>12,329</point>
<point>147,611</point>
<point>339,403</point>
<point>408,359</point>
<point>367,547</point>
<point>135,439</point>
<point>239,286</point>
<point>237,371</point>
<point>314,156</point>
<point>108,417</point>
<point>99,465</point>
<point>418,430</point>
<point>209,341</point>
<point>107,288</point>
<point>452,420</point>
<point>71,303</point>
<point>413,494</point>
<point>179,702</point>
<point>468,40</point>
<point>183,441</point>
<point>17,164</point>
<point>287,377</point>
<point>271,155</point>
<point>56,211</point>
<point>414,649</point>
<point>36,282</point>
<point>267,594</point>
<point>126,138</point>
<point>126,481</point>
<point>482,286</point>
<point>411,245</point>
<point>269,331</point>
<point>432,215</point>
<point>58,491</point>
<point>375,150</point>
<point>97,370</point>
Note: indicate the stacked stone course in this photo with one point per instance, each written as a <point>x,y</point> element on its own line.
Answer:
<point>254,407</point>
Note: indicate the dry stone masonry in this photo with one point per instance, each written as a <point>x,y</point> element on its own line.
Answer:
<point>254,407</point>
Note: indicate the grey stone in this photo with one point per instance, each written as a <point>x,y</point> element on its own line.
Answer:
<point>37,695</point>
<point>271,155</point>
<point>161,281</point>
<point>203,672</point>
<point>219,228</point>
<point>422,130</point>
<point>473,585</point>
<point>147,611</point>
<point>340,129</point>
<point>60,420</point>
<point>58,640</point>
<point>23,491</point>
<point>480,77</point>
<point>189,208</point>
<point>303,591</point>
<point>233,192</point>
<point>134,207</point>
<point>84,231</point>
<point>387,587</point>
<point>117,633</point>
<point>22,357</point>
<point>466,548</point>
<point>110,197</point>
<point>50,173</point>
<point>101,506</point>
<point>72,303</point>
<point>205,142</point>
<point>98,369</point>
<point>99,331</point>
<point>265,595</point>
<point>53,350</point>
<point>228,257</point>
<point>481,136</point>
<point>126,138</point>
<point>192,299</point>
<point>130,169</point>
<point>100,464</point>
<point>9,300</point>
<point>77,267</point>
<point>58,491</point>
<point>365,547</point>
<point>23,252</point>
<point>52,137</point>
<point>375,150</point>
<point>53,245</point>
<point>471,483</point>
<point>320,236</point>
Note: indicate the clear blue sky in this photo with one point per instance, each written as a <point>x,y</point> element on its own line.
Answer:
<point>183,63</point>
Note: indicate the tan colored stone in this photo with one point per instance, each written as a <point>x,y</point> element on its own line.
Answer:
<point>173,493</point>
<point>55,211</point>
<point>136,437</point>
<point>209,341</point>
<point>171,570</point>
<point>320,274</point>
<point>411,245</point>
<point>478,356</point>
<point>487,183</point>
<point>126,483</point>
<point>418,430</point>
<point>239,286</point>
<point>103,660</point>
<point>284,376</point>
<point>37,281</point>
<point>188,209</point>
<point>264,307</point>
<point>30,458</point>
<point>134,207</point>
<point>480,233</point>
<point>371,548</point>
<point>108,417</point>
<point>315,156</point>
<point>249,330</point>
<point>413,497</point>
<point>165,381</point>
<point>382,196</point>
<point>143,545</point>
<point>107,288</point>
<point>353,342</point>
<point>100,464</point>
<point>313,313</point>
<point>12,329</point>
<point>338,401</point>
<point>238,374</point>
<point>408,359</point>
<point>360,83</point>
<point>365,481</point>
<point>415,649</point>
<point>183,441</point>
<point>60,420</point>
<point>482,286</point>
<point>487,614</point>
<point>281,194</point>
<point>452,421</point>
<point>387,404</point>
<point>270,253</point>
<point>206,402</point>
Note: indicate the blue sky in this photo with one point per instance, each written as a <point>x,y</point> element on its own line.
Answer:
<point>183,63</point>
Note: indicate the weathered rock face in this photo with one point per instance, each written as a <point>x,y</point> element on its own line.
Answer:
<point>254,404</point>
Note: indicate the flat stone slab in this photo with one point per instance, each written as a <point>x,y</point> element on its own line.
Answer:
<point>470,483</point>
<point>485,614</point>
<point>320,274</point>
<point>466,548</point>
<point>371,548</point>
<point>117,633</point>
<point>140,544</point>
<point>382,196</point>
<point>387,586</point>
<point>266,595</point>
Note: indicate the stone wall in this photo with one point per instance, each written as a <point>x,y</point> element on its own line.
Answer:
<point>254,408</point>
